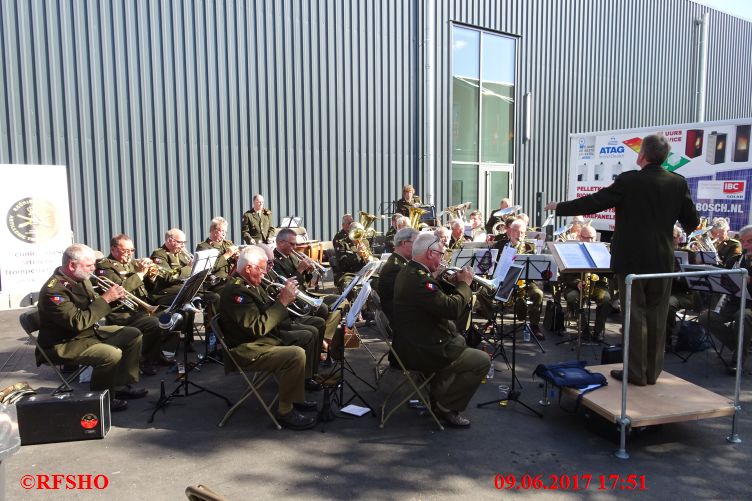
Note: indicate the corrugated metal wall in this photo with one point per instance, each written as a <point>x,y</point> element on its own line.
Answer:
<point>169,113</point>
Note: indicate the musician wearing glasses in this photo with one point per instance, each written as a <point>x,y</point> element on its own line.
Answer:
<point>596,290</point>
<point>424,337</point>
<point>228,252</point>
<point>257,223</point>
<point>409,199</point>
<point>120,268</point>
<point>175,265</point>
<point>251,319</point>
<point>530,293</point>
<point>69,310</point>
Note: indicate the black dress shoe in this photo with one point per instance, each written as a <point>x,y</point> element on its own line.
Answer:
<point>306,405</point>
<point>130,393</point>
<point>312,385</point>
<point>453,419</point>
<point>117,405</point>
<point>294,420</point>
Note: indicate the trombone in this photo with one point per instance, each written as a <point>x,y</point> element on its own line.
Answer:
<point>320,268</point>
<point>130,301</point>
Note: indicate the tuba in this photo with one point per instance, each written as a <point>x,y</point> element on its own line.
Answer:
<point>415,213</point>
<point>367,220</point>
<point>456,211</point>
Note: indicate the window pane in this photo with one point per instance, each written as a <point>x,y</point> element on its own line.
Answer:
<point>465,184</point>
<point>497,127</point>
<point>498,59</point>
<point>465,53</point>
<point>498,188</point>
<point>464,119</point>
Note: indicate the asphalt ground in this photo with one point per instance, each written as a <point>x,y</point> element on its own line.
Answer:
<point>351,458</point>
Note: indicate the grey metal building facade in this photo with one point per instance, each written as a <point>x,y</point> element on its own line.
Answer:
<point>168,113</point>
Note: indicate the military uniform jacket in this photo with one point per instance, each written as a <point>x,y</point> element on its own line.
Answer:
<point>175,270</point>
<point>348,257</point>
<point>68,315</point>
<point>648,203</point>
<point>389,239</point>
<point>287,266</point>
<point>387,277</point>
<point>250,315</point>
<point>127,276</point>
<point>223,265</point>
<point>728,252</point>
<point>257,226</point>
<point>423,337</point>
<point>402,206</point>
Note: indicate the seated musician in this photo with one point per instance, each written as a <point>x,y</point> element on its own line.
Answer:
<point>286,263</point>
<point>573,231</point>
<point>120,268</point>
<point>250,321</point>
<point>398,222</point>
<point>457,238</point>
<point>351,255</point>
<point>228,253</point>
<point>531,293</point>
<point>505,203</point>
<point>409,199</point>
<point>723,325</point>
<point>681,297</point>
<point>69,310</point>
<point>257,225</point>
<point>423,336</point>
<point>572,288</point>
<point>728,249</point>
<point>478,233</point>
<point>403,249</point>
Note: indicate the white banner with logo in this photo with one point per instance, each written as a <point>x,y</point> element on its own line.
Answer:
<point>34,201</point>
<point>714,157</point>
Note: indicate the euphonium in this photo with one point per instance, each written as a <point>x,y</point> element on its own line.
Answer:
<point>274,286</point>
<point>456,211</point>
<point>367,220</point>
<point>415,213</point>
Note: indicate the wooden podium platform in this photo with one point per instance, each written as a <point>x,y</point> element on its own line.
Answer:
<point>670,400</point>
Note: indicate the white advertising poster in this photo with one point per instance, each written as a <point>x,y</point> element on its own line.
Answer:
<point>37,229</point>
<point>714,157</point>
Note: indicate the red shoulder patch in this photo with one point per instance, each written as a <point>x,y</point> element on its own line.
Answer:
<point>57,298</point>
<point>431,286</point>
<point>239,299</point>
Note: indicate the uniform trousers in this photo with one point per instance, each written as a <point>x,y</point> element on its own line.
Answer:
<point>647,330</point>
<point>455,385</point>
<point>286,362</point>
<point>114,360</point>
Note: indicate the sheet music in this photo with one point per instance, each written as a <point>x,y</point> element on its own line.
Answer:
<point>682,257</point>
<point>204,260</point>
<point>358,304</point>
<point>505,261</point>
<point>571,256</point>
<point>599,254</point>
<point>291,222</point>
<point>484,260</point>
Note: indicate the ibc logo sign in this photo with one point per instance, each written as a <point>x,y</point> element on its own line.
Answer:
<point>733,187</point>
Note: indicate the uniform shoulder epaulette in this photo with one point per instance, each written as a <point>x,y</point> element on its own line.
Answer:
<point>52,282</point>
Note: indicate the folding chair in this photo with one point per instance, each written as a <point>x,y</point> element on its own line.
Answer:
<point>29,320</point>
<point>418,385</point>
<point>257,379</point>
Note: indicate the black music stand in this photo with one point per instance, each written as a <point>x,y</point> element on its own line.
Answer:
<point>535,267</point>
<point>336,393</point>
<point>183,309</point>
<point>508,289</point>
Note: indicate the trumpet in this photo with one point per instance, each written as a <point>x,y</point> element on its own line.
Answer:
<point>273,287</point>
<point>130,301</point>
<point>320,268</point>
<point>450,272</point>
<point>187,254</point>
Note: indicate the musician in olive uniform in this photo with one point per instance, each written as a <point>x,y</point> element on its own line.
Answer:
<point>351,255</point>
<point>531,293</point>
<point>69,310</point>
<point>398,222</point>
<point>409,199</point>
<point>174,264</point>
<point>250,321</point>
<point>120,268</point>
<point>423,337</point>
<point>724,324</point>
<point>227,254</point>
<point>728,249</point>
<point>596,290</point>
<point>505,203</point>
<point>403,250</point>
<point>257,223</point>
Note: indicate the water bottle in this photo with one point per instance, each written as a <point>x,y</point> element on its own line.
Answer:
<point>490,374</point>
<point>526,333</point>
<point>212,342</point>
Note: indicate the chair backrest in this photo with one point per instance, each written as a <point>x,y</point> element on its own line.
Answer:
<point>230,364</point>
